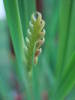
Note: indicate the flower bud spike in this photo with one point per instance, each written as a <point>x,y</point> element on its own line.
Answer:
<point>27,41</point>
<point>31,25</point>
<point>29,33</point>
<point>39,16</point>
<point>34,39</point>
<point>42,34</point>
<point>40,43</point>
<point>33,18</point>
<point>38,51</point>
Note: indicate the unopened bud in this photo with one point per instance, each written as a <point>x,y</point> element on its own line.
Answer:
<point>40,42</point>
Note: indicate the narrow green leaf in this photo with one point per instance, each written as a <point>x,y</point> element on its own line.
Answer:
<point>26,10</point>
<point>71,41</point>
<point>14,22</point>
<point>50,13</point>
<point>35,83</point>
<point>64,24</point>
<point>68,80</point>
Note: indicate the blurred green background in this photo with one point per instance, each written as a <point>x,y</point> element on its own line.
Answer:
<point>10,85</point>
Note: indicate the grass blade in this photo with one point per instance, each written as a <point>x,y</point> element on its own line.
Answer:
<point>26,9</point>
<point>71,41</point>
<point>14,22</point>
<point>35,83</point>
<point>68,80</point>
<point>64,22</point>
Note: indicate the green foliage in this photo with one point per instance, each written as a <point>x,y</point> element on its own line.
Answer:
<point>12,12</point>
<point>64,25</point>
<point>67,81</point>
<point>55,70</point>
<point>25,13</point>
